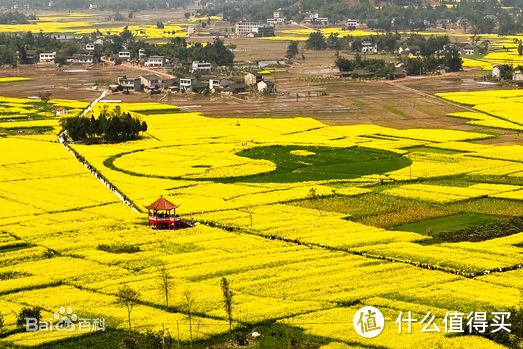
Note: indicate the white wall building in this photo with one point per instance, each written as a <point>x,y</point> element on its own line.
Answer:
<point>47,57</point>
<point>204,66</point>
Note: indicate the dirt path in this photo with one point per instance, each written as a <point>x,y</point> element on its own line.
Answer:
<point>426,95</point>
<point>90,167</point>
<point>135,67</point>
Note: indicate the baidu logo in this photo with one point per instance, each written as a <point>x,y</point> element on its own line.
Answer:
<point>65,320</point>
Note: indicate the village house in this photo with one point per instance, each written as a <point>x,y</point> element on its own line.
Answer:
<point>155,61</point>
<point>141,53</point>
<point>31,56</point>
<point>266,86</point>
<point>369,47</point>
<point>187,84</point>
<point>277,18</point>
<point>151,82</point>
<point>90,47</point>
<point>316,19</point>
<point>254,29</point>
<point>61,111</point>
<point>171,84</point>
<point>214,84</point>
<point>125,83</point>
<point>197,66</point>
<point>352,23</point>
<point>252,79</point>
<point>517,77</point>
<point>498,71</point>
<point>233,84</point>
<point>80,58</point>
<point>47,57</point>
<point>469,50</point>
<point>125,55</point>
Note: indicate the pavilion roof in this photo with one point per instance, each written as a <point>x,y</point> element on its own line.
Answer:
<point>161,204</point>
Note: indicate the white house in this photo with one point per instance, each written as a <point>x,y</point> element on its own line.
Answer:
<point>353,23</point>
<point>316,19</point>
<point>47,57</point>
<point>204,66</point>
<point>469,50</point>
<point>266,86</point>
<point>369,47</point>
<point>187,83</point>
<point>244,28</point>
<point>61,111</point>
<point>80,58</point>
<point>155,61</point>
<point>90,47</point>
<point>517,77</point>
<point>252,79</point>
<point>124,55</point>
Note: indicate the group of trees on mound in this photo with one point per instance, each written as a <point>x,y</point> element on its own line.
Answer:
<point>15,17</point>
<point>118,127</point>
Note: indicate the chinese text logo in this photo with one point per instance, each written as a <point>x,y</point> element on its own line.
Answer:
<point>368,322</point>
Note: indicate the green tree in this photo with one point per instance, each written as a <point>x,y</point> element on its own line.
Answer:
<point>292,49</point>
<point>227,300</point>
<point>520,49</point>
<point>2,322</point>
<point>45,97</point>
<point>26,313</point>
<point>344,64</point>
<point>128,298</point>
<point>453,60</point>
<point>316,41</point>
<point>165,284</point>
<point>188,309</point>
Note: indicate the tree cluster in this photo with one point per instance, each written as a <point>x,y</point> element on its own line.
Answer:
<point>14,18</point>
<point>379,67</point>
<point>177,48</point>
<point>118,127</point>
<point>41,42</point>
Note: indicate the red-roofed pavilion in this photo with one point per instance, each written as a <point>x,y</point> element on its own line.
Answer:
<point>161,216</point>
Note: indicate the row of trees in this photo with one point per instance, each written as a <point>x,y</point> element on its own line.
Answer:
<point>377,66</point>
<point>450,61</point>
<point>177,48</point>
<point>216,52</point>
<point>22,42</point>
<point>15,17</point>
<point>128,298</point>
<point>118,127</point>
<point>388,42</point>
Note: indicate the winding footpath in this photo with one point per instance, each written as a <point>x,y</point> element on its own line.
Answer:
<point>91,168</point>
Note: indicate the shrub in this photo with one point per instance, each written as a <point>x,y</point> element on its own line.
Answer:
<point>118,248</point>
<point>25,313</point>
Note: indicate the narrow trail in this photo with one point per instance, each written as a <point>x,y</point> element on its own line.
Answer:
<point>426,95</point>
<point>91,168</point>
<point>135,67</point>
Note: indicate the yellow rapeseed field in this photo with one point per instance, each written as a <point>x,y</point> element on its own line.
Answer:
<point>303,267</point>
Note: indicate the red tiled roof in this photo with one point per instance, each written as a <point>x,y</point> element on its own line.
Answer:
<point>161,204</point>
